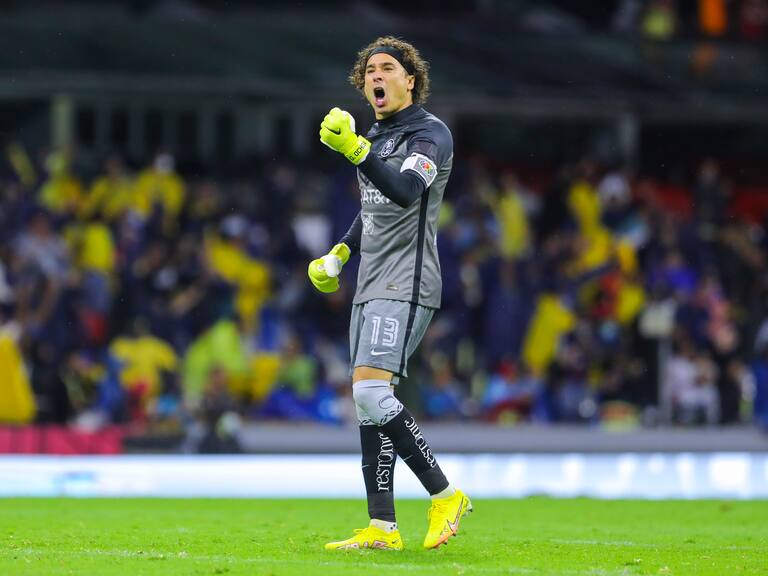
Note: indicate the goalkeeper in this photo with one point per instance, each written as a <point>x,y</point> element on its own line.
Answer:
<point>403,165</point>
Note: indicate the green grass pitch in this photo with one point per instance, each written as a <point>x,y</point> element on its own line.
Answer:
<point>286,537</point>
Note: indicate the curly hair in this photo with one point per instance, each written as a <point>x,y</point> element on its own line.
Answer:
<point>412,59</point>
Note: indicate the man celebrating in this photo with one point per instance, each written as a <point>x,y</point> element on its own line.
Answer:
<point>403,166</point>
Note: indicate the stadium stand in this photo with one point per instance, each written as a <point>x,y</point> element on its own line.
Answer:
<point>157,281</point>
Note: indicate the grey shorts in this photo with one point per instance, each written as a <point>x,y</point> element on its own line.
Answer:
<point>384,333</point>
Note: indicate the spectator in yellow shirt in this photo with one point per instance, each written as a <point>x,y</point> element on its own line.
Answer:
<point>94,251</point>
<point>145,359</point>
<point>510,210</point>
<point>226,255</point>
<point>62,192</point>
<point>112,193</point>
<point>159,184</point>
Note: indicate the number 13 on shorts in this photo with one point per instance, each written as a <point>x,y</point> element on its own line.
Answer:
<point>387,328</point>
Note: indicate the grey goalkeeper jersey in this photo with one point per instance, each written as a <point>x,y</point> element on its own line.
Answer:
<point>398,246</point>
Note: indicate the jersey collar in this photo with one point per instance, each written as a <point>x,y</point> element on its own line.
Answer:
<point>402,116</point>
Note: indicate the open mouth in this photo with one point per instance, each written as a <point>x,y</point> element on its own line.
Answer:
<point>379,96</point>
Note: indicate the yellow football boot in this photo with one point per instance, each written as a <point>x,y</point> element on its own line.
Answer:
<point>444,516</point>
<point>370,537</point>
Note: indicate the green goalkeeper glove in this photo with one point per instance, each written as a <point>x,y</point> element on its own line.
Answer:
<point>324,271</point>
<point>337,131</point>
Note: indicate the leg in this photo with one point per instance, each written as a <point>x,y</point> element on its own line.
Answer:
<point>374,398</point>
<point>385,334</point>
<point>378,465</point>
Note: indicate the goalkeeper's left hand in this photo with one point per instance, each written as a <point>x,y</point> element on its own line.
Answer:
<point>337,131</point>
<point>324,272</point>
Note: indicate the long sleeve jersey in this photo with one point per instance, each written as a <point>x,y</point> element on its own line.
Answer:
<point>402,182</point>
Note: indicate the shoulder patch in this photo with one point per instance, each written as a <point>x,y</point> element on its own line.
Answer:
<point>427,167</point>
<point>422,165</point>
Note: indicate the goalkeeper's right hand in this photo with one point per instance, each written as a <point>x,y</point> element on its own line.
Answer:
<point>324,272</point>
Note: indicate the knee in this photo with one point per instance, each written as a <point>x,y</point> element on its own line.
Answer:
<point>376,400</point>
<point>367,395</point>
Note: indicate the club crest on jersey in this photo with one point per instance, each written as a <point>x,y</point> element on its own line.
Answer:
<point>387,149</point>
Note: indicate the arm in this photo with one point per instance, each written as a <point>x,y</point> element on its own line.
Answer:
<point>427,150</point>
<point>403,188</point>
<point>352,237</point>
<point>416,174</point>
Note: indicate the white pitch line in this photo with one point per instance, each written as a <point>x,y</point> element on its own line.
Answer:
<point>630,544</point>
<point>234,560</point>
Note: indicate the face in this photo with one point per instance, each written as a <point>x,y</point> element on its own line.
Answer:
<point>387,85</point>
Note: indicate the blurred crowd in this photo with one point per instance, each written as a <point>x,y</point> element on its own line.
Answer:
<point>180,304</point>
<point>742,20</point>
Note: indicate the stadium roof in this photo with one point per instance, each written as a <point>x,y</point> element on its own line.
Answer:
<point>302,55</point>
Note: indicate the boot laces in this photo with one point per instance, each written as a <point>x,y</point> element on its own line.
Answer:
<point>437,507</point>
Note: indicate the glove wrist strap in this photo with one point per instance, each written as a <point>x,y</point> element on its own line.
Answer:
<point>358,150</point>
